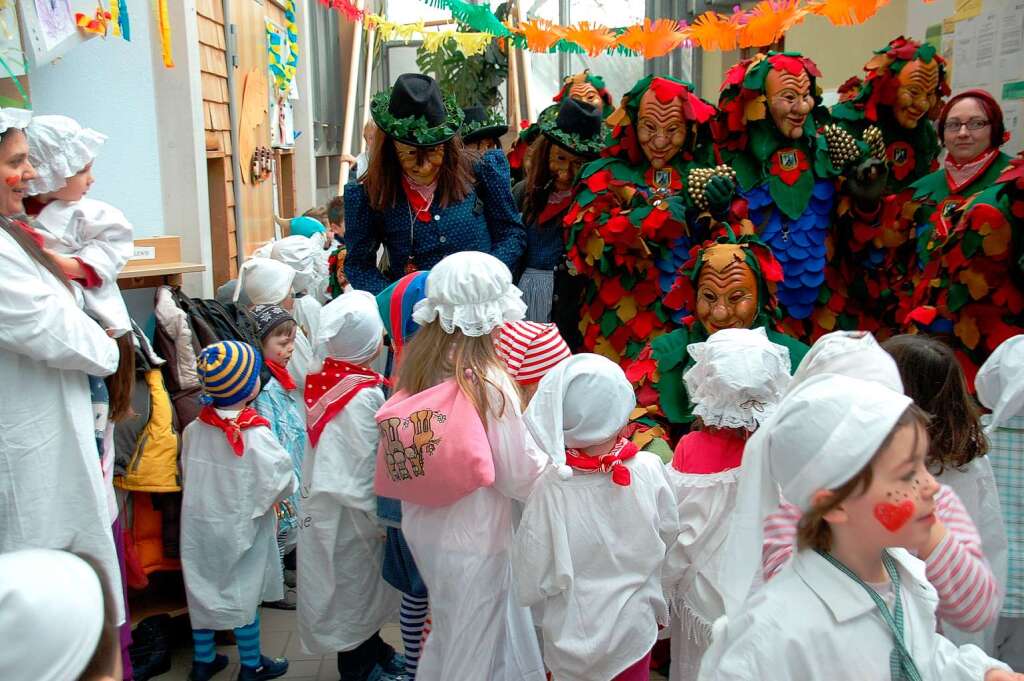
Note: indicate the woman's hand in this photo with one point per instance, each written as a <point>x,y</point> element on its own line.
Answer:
<point>72,267</point>
<point>1002,675</point>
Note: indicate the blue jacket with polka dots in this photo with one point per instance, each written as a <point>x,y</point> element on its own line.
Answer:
<point>486,220</point>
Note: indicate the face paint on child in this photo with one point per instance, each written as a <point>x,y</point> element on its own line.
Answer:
<point>894,516</point>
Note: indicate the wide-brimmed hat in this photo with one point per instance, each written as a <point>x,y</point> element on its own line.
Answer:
<point>575,126</point>
<point>415,112</point>
<point>481,124</point>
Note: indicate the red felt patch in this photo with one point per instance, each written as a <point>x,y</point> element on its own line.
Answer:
<point>894,516</point>
<point>667,90</point>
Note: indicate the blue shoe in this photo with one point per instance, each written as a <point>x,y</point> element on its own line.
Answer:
<point>378,674</point>
<point>270,668</point>
<point>204,671</point>
<point>396,665</point>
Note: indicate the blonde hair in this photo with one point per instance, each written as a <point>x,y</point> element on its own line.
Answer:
<point>433,356</point>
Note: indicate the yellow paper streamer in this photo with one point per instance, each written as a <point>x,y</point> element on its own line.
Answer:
<point>471,44</point>
<point>165,33</point>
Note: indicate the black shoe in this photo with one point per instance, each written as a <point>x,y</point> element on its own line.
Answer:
<point>270,668</point>
<point>204,671</point>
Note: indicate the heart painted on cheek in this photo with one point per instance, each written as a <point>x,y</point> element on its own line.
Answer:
<point>894,516</point>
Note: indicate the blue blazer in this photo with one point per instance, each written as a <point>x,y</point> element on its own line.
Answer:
<point>486,220</point>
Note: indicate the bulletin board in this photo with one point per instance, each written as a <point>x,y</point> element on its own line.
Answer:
<point>48,28</point>
<point>984,42</point>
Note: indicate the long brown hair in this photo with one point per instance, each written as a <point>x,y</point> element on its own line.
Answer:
<point>433,356</point>
<point>383,177</point>
<point>932,377</point>
<point>121,384</point>
<point>813,531</point>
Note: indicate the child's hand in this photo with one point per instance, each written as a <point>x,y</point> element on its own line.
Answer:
<point>110,333</point>
<point>1002,675</point>
<point>71,267</point>
<point>935,537</point>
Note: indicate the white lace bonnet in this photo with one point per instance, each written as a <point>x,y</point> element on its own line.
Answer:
<point>59,148</point>
<point>471,291</point>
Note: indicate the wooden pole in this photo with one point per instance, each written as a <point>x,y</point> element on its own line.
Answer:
<point>350,97</point>
<point>371,36</point>
<point>526,100</point>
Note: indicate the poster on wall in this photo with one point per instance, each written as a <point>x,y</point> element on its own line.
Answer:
<point>48,27</point>
<point>283,91</point>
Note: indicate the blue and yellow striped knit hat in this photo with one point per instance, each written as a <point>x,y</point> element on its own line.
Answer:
<point>228,371</point>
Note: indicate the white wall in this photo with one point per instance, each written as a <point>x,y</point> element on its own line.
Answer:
<point>109,85</point>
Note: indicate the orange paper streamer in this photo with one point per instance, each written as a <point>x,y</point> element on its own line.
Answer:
<point>540,34</point>
<point>653,39</point>
<point>846,12</point>
<point>712,31</point>
<point>593,39</point>
<point>768,20</point>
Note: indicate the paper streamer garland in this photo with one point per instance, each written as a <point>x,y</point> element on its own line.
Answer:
<point>761,25</point>
<point>282,66</point>
<point>119,17</point>
<point>164,20</point>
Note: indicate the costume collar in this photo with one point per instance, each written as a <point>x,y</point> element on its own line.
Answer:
<point>330,390</point>
<point>247,418</point>
<point>960,176</point>
<point>613,462</point>
<point>845,598</point>
<point>281,374</point>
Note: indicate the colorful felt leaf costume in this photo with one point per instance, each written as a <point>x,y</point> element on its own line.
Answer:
<point>663,405</point>
<point>631,226</point>
<point>786,186</point>
<point>860,273</point>
<point>972,286</point>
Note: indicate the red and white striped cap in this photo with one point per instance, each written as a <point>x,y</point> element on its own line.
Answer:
<point>531,349</point>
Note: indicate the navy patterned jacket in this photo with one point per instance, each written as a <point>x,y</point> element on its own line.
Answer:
<point>486,220</point>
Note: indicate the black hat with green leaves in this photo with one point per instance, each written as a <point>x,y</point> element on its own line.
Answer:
<point>481,124</point>
<point>415,112</point>
<point>575,126</point>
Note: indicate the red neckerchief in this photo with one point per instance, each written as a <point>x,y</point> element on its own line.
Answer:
<point>609,463</point>
<point>555,207</point>
<point>960,175</point>
<point>247,418</point>
<point>32,233</point>
<point>420,198</point>
<point>281,374</point>
<point>329,391</point>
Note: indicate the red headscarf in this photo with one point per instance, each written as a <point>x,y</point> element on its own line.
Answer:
<point>992,111</point>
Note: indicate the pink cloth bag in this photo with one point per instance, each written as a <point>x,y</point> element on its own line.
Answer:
<point>433,448</point>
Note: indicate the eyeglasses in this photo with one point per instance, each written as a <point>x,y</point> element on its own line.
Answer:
<point>954,125</point>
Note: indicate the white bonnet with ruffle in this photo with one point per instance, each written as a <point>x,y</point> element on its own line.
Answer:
<point>59,148</point>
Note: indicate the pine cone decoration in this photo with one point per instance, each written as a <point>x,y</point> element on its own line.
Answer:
<point>698,179</point>
<point>876,142</point>
<point>842,147</point>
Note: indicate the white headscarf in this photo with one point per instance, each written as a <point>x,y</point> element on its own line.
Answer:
<point>299,253</point>
<point>850,353</point>
<point>583,401</point>
<point>350,328</point>
<point>265,281</point>
<point>737,379</point>
<point>59,148</point>
<point>472,291</point>
<point>1000,382</point>
<point>51,615</point>
<point>12,117</point>
<point>823,433</point>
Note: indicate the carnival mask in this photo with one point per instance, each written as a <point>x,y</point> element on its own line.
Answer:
<point>789,101</point>
<point>420,164</point>
<point>727,296</point>
<point>661,129</point>
<point>485,144</point>
<point>916,94</point>
<point>564,167</point>
<point>582,91</point>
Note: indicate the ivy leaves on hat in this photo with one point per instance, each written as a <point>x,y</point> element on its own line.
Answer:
<point>481,124</point>
<point>415,112</point>
<point>575,126</point>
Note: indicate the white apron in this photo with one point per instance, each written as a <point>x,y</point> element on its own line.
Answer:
<point>52,493</point>
<point>343,600</point>
<point>229,551</point>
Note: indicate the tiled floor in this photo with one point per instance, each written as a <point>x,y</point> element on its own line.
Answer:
<point>279,637</point>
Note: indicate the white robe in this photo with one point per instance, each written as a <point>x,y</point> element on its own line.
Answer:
<point>52,493</point>
<point>592,552</point>
<point>228,525</point>
<point>705,504</point>
<point>343,600</point>
<point>976,487</point>
<point>101,236</point>
<point>302,362</point>
<point>813,622</point>
<point>306,311</point>
<point>478,631</point>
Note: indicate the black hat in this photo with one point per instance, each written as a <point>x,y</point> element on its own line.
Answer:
<point>482,124</point>
<point>575,126</point>
<point>414,112</point>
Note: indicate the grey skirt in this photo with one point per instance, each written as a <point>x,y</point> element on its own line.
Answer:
<point>538,287</point>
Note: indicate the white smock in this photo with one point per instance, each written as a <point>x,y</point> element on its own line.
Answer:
<point>306,312</point>
<point>229,549</point>
<point>478,631</point>
<point>101,236</point>
<point>592,552</point>
<point>704,504</point>
<point>836,632</point>
<point>976,487</point>
<point>52,493</point>
<point>301,363</point>
<point>343,600</point>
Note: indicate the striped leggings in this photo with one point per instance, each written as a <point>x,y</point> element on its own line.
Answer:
<point>411,618</point>
<point>248,638</point>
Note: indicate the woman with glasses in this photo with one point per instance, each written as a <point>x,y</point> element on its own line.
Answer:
<point>949,262</point>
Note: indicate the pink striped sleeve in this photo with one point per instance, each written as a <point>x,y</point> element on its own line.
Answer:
<point>779,538</point>
<point>968,592</point>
